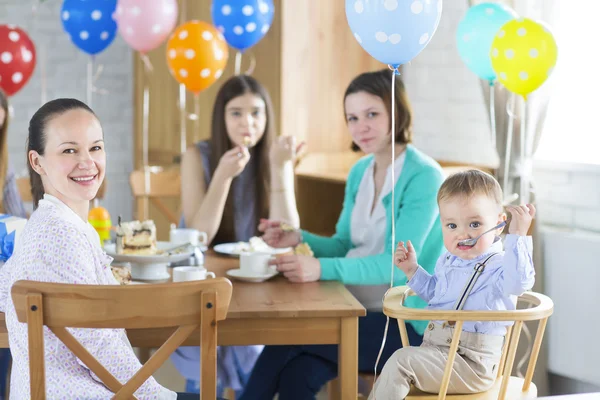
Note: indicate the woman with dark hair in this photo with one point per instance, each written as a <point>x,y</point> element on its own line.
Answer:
<point>244,172</point>
<point>359,254</point>
<point>241,174</point>
<point>10,199</point>
<point>66,159</point>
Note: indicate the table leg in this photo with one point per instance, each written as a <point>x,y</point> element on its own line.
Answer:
<point>348,358</point>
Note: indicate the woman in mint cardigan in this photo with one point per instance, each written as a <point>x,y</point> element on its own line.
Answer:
<point>359,254</point>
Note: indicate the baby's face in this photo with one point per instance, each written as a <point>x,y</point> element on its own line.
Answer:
<point>465,218</point>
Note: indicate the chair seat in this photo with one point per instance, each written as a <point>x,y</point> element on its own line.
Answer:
<point>514,392</point>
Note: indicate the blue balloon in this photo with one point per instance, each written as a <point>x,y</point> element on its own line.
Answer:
<point>90,24</point>
<point>242,22</point>
<point>476,33</point>
<point>393,31</point>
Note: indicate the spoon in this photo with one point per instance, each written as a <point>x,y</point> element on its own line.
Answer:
<point>471,242</point>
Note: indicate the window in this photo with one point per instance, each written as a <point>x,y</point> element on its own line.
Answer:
<point>572,129</point>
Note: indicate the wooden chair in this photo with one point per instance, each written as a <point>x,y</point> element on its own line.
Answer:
<point>506,387</point>
<point>24,188</point>
<point>153,184</point>
<point>185,306</point>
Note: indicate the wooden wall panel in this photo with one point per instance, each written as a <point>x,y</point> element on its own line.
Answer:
<point>320,56</point>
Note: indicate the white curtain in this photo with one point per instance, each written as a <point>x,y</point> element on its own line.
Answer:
<point>520,171</point>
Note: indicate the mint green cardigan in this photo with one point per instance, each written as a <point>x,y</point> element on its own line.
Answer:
<point>417,220</point>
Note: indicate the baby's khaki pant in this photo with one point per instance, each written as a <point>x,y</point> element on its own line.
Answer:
<point>474,370</point>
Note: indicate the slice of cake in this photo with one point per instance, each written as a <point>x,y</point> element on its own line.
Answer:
<point>121,273</point>
<point>135,237</point>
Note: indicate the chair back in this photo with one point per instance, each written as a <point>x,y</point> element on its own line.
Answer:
<point>541,307</point>
<point>185,306</point>
<point>24,187</point>
<point>151,185</point>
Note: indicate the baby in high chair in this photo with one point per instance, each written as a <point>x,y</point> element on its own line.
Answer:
<point>470,204</point>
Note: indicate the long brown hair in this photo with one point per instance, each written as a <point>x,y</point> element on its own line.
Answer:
<point>3,147</point>
<point>37,137</point>
<point>220,143</point>
<point>379,83</point>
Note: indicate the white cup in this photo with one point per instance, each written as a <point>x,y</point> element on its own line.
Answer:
<point>183,274</point>
<point>256,263</point>
<point>184,235</point>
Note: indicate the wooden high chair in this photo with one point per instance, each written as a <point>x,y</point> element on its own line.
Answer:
<point>185,306</point>
<point>506,386</point>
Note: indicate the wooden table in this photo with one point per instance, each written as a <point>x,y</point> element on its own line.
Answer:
<point>276,312</point>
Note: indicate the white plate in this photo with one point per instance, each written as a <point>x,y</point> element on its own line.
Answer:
<point>239,275</point>
<point>231,249</point>
<point>149,259</point>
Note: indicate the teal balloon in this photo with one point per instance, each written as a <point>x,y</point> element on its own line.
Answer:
<point>476,33</point>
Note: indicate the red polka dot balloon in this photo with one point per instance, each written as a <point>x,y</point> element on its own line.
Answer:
<point>17,58</point>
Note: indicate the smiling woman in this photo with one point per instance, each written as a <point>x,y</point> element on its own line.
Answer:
<point>66,155</point>
<point>66,164</point>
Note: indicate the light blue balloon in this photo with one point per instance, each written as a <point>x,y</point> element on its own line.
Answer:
<point>393,31</point>
<point>476,33</point>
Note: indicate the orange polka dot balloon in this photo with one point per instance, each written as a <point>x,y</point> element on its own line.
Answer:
<point>197,55</point>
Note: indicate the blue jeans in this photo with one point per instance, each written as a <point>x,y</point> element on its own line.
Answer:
<point>193,386</point>
<point>4,362</point>
<point>299,372</point>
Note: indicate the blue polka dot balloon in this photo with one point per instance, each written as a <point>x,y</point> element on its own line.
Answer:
<point>243,22</point>
<point>90,24</point>
<point>393,31</point>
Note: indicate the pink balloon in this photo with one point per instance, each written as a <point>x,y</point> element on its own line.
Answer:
<point>144,24</point>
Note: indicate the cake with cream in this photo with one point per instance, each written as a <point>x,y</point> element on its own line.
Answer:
<point>122,274</point>
<point>136,238</point>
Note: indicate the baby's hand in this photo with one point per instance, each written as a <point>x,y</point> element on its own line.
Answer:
<point>406,259</point>
<point>521,219</point>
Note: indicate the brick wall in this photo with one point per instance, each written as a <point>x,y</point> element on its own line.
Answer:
<point>66,74</point>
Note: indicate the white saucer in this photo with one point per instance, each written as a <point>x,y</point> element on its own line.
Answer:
<point>234,250</point>
<point>239,275</point>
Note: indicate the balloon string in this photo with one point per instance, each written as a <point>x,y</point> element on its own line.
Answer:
<point>238,63</point>
<point>493,113</point>
<point>182,118</point>
<point>524,190</point>
<point>252,66</point>
<point>393,130</point>
<point>90,81</point>
<point>509,136</point>
<point>146,61</point>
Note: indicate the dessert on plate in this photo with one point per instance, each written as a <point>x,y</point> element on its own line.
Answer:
<point>136,238</point>
<point>121,273</point>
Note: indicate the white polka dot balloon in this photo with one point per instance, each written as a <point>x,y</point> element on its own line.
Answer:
<point>523,54</point>
<point>17,58</point>
<point>144,24</point>
<point>196,52</point>
<point>89,24</point>
<point>393,31</point>
<point>243,23</point>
